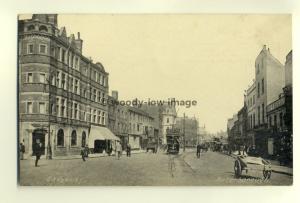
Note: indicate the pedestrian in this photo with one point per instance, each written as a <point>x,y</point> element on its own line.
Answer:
<point>86,151</point>
<point>38,152</point>
<point>83,153</point>
<point>198,150</point>
<point>118,149</point>
<point>128,150</point>
<point>22,151</point>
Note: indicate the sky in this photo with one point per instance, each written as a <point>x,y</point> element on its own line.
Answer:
<point>207,58</point>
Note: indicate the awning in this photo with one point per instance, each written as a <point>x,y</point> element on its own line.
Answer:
<point>100,133</point>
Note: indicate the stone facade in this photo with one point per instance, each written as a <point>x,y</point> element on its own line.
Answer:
<point>61,92</point>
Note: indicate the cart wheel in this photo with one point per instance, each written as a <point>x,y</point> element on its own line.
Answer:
<point>267,174</point>
<point>237,169</point>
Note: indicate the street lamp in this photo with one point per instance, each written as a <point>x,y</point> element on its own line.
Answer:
<point>49,151</point>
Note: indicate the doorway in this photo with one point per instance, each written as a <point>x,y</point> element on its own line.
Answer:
<point>38,136</point>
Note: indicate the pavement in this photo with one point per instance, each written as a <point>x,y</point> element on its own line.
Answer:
<point>97,155</point>
<point>276,167</point>
<point>142,169</point>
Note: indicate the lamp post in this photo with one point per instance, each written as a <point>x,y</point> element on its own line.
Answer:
<point>49,151</point>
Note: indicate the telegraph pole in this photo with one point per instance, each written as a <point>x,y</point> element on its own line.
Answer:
<point>183,132</point>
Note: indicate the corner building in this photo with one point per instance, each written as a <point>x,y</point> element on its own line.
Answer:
<point>62,94</point>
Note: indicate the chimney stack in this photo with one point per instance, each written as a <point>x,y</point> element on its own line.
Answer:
<point>79,42</point>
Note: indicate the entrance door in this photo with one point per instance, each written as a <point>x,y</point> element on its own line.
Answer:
<point>38,136</point>
<point>99,146</point>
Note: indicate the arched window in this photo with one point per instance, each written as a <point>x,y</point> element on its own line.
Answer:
<point>83,139</point>
<point>43,28</point>
<point>30,28</point>
<point>60,137</point>
<point>73,138</point>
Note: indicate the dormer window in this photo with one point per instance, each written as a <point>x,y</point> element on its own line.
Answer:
<point>30,28</point>
<point>43,28</point>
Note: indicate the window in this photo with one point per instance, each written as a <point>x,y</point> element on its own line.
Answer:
<point>63,81</point>
<point>52,51</point>
<point>42,108</point>
<point>60,138</point>
<point>43,49</point>
<point>30,49</point>
<point>84,116</point>
<point>51,108</point>
<point>57,106</point>
<point>29,107</point>
<point>99,96</point>
<point>254,120</point>
<point>281,120</point>
<point>95,75</point>
<point>270,121</point>
<point>263,113</point>
<point>76,87</point>
<point>53,80</point>
<point>57,79</point>
<point>42,78</point>
<point>99,117</point>
<point>30,28</point>
<point>94,95</point>
<point>94,116</point>
<point>138,127</point>
<point>275,120</point>
<point>63,55</point>
<point>83,139</point>
<point>253,99</point>
<point>73,138</point>
<point>262,86</point>
<point>29,77</point>
<point>258,90</point>
<point>43,28</point>
<point>76,110</point>
<point>101,79</point>
<point>71,84</point>
<point>103,97</point>
<point>71,110</point>
<point>63,107</point>
<point>103,118</point>
<point>70,59</point>
<point>167,120</point>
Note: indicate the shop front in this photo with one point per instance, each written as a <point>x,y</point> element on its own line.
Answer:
<point>101,139</point>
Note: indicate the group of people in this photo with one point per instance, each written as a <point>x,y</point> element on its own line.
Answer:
<point>84,152</point>
<point>118,151</point>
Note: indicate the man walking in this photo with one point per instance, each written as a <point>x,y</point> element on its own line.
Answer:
<point>83,153</point>
<point>128,150</point>
<point>38,152</point>
<point>198,150</point>
<point>22,151</point>
<point>118,150</point>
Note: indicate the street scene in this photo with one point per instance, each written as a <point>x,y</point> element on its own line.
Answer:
<point>170,103</point>
<point>141,169</point>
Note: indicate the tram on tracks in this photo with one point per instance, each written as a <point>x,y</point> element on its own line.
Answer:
<point>173,141</point>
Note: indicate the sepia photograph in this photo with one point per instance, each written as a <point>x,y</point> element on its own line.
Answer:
<point>154,99</point>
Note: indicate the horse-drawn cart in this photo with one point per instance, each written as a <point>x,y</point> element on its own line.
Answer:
<point>250,163</point>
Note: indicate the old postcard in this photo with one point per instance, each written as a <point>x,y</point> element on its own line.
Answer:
<point>155,100</point>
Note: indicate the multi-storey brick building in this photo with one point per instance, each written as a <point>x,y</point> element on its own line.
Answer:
<point>140,127</point>
<point>62,93</point>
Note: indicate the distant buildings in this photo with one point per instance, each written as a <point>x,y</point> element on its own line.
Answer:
<point>189,128</point>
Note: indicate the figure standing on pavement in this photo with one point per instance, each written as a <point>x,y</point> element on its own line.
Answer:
<point>38,152</point>
<point>198,150</point>
<point>118,149</point>
<point>22,151</point>
<point>82,153</point>
<point>128,150</point>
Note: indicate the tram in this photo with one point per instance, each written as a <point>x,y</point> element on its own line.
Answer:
<point>173,141</point>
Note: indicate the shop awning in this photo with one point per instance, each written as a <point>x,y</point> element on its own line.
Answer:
<point>100,133</point>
